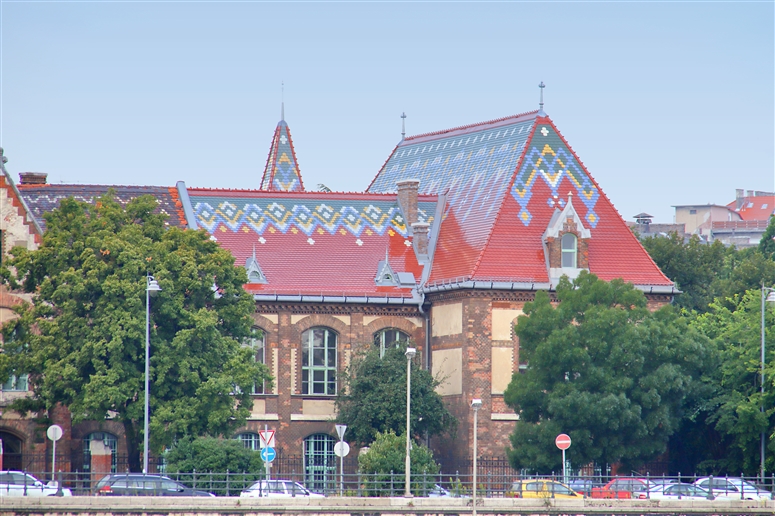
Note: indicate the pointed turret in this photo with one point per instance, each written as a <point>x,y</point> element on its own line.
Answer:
<point>282,170</point>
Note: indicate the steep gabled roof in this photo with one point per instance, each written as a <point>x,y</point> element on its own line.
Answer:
<point>505,180</point>
<point>314,243</point>
<point>755,207</point>
<point>42,198</point>
<point>281,173</point>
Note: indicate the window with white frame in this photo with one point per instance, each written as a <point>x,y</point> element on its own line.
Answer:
<point>250,440</point>
<point>15,383</point>
<point>569,242</point>
<point>389,337</point>
<point>257,343</point>
<point>318,361</point>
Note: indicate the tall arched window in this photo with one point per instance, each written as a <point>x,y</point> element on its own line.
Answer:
<point>250,440</point>
<point>257,343</point>
<point>109,440</point>
<point>387,338</point>
<point>318,361</point>
<point>569,250</point>
<point>320,463</point>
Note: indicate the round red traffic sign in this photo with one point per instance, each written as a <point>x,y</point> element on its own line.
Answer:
<point>562,441</point>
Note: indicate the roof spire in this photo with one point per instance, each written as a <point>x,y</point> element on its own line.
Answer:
<point>541,104</point>
<point>403,126</point>
<point>282,100</point>
<point>282,170</point>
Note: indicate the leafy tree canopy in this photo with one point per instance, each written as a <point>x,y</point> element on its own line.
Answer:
<point>767,243</point>
<point>604,369</point>
<point>374,399</point>
<point>212,455</point>
<point>736,405</point>
<point>386,457</point>
<point>82,340</point>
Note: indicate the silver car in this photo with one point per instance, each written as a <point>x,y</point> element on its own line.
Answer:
<point>278,489</point>
<point>18,483</point>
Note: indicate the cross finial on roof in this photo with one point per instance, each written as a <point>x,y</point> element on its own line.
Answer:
<point>403,126</point>
<point>541,104</point>
<point>282,100</point>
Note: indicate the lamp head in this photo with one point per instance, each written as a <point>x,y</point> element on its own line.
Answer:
<point>152,286</point>
<point>410,353</point>
<point>476,403</point>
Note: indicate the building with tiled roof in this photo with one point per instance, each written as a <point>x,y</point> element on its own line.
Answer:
<point>457,230</point>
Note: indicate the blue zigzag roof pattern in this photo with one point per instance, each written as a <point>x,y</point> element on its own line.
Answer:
<point>549,159</point>
<point>354,217</point>
<point>282,171</point>
<point>474,164</point>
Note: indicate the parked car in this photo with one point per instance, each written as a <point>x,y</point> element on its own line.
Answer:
<point>137,484</point>
<point>733,487</point>
<point>18,483</point>
<point>584,485</point>
<point>278,489</point>
<point>623,487</point>
<point>540,488</point>
<point>678,491</point>
<point>438,491</point>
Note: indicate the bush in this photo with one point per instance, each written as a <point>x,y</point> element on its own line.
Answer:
<point>384,466</point>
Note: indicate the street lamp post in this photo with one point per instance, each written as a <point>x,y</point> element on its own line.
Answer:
<point>476,404</point>
<point>151,288</point>
<point>768,295</point>
<point>410,353</point>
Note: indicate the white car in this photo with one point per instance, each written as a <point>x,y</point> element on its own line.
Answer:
<point>680,492</point>
<point>733,487</point>
<point>18,483</point>
<point>278,489</point>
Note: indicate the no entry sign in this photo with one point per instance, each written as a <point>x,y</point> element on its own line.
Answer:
<point>562,441</point>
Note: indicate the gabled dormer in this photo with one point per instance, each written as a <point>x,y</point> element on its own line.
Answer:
<point>566,243</point>
<point>387,277</point>
<point>255,274</point>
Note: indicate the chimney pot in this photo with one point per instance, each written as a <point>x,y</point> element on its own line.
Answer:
<point>420,238</point>
<point>407,199</point>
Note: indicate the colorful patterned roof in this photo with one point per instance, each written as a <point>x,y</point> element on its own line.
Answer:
<point>504,180</point>
<point>313,242</point>
<point>42,198</point>
<point>282,170</point>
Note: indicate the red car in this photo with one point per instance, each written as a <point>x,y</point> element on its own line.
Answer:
<point>622,487</point>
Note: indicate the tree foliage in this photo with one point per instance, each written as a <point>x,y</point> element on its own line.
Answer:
<point>82,340</point>
<point>374,399</point>
<point>735,407</point>
<point>384,466</point>
<point>603,369</point>
<point>767,242</point>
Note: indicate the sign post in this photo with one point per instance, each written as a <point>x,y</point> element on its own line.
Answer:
<point>563,442</point>
<point>341,449</point>
<point>266,440</point>
<point>54,433</point>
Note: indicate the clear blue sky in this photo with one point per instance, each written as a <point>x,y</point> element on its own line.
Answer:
<point>665,102</point>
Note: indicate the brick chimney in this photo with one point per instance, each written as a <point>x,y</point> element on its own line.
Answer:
<point>32,178</point>
<point>420,239</point>
<point>407,199</point>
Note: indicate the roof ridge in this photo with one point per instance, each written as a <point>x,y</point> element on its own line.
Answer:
<point>506,192</point>
<point>309,193</point>
<point>469,126</point>
<point>382,168</point>
<point>603,194</point>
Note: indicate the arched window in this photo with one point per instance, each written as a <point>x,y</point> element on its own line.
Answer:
<point>569,250</point>
<point>320,463</point>
<point>318,361</point>
<point>109,440</point>
<point>257,343</point>
<point>250,440</point>
<point>389,337</point>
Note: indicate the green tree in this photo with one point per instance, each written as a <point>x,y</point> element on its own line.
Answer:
<point>82,340</point>
<point>603,369</point>
<point>384,466</point>
<point>767,242</point>
<point>374,399</point>
<point>735,410</point>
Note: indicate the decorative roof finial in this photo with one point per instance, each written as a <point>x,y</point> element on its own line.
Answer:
<point>282,100</point>
<point>541,104</point>
<point>403,126</point>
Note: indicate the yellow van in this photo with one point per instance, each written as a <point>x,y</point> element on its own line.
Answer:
<point>539,488</point>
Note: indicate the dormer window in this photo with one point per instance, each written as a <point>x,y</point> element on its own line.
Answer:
<point>387,278</point>
<point>569,247</point>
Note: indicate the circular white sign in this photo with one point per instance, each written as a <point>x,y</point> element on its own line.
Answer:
<point>54,432</point>
<point>341,449</point>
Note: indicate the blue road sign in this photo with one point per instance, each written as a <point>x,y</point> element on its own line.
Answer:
<point>268,454</point>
